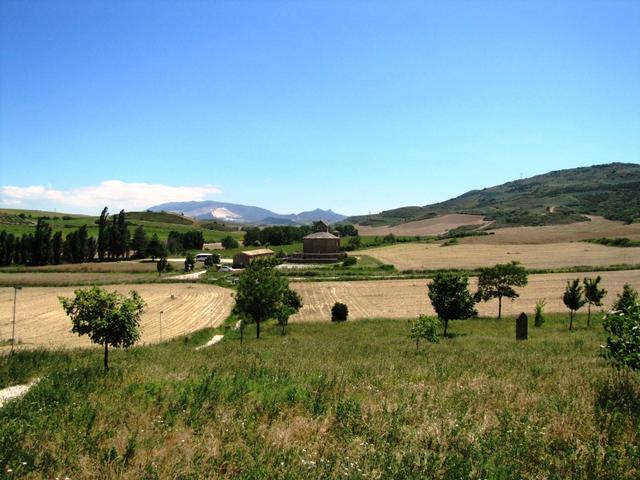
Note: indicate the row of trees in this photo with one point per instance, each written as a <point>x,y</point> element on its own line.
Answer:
<point>576,296</point>
<point>276,235</point>
<point>44,247</point>
<point>114,242</point>
<point>180,242</point>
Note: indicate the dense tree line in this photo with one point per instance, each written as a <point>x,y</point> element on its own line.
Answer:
<point>180,242</point>
<point>114,242</point>
<point>45,248</point>
<point>276,235</point>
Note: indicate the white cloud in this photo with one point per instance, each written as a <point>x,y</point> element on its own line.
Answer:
<point>91,199</point>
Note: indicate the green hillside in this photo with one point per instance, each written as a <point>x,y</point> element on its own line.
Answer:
<point>561,196</point>
<point>20,222</point>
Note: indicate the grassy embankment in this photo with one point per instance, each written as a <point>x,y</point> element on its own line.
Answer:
<point>350,400</point>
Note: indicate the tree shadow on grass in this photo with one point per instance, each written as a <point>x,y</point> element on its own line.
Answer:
<point>450,335</point>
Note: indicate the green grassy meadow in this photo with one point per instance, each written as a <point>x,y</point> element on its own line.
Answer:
<point>351,400</point>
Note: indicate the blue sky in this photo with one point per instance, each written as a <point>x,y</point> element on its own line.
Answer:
<point>293,105</point>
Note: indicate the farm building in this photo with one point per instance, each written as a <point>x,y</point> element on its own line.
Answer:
<point>319,247</point>
<point>321,242</point>
<point>243,259</point>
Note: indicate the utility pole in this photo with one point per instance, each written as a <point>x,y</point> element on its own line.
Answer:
<point>13,330</point>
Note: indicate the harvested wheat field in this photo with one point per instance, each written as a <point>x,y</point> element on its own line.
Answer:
<point>596,228</point>
<point>41,322</point>
<point>408,298</point>
<point>432,256</point>
<point>432,226</point>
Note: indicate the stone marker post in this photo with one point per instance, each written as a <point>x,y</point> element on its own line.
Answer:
<point>522,327</point>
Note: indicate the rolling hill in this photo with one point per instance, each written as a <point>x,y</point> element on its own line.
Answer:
<point>563,196</point>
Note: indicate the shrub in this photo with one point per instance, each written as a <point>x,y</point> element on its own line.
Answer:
<point>347,262</point>
<point>539,316</point>
<point>229,242</point>
<point>212,260</point>
<point>339,312</point>
<point>622,349</point>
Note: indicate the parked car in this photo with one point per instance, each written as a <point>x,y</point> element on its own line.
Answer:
<point>225,268</point>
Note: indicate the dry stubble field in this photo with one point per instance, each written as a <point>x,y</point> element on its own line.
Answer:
<point>408,298</point>
<point>431,226</point>
<point>596,228</point>
<point>432,256</point>
<point>41,322</point>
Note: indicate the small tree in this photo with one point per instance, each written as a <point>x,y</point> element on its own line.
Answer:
<point>450,297</point>
<point>189,262</point>
<point>498,282</point>
<point>108,318</point>
<point>212,260</point>
<point>539,317</point>
<point>623,341</point>
<point>627,299</point>
<point>426,328</point>
<point>291,303</point>
<point>339,312</point>
<point>354,243</point>
<point>229,242</point>
<point>261,293</point>
<point>573,298</point>
<point>593,294</point>
<point>162,265</point>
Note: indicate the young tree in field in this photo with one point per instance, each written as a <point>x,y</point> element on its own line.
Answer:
<point>162,265</point>
<point>450,297</point>
<point>623,341</point>
<point>573,299</point>
<point>291,303</point>
<point>261,293</point>
<point>539,316</point>
<point>108,318</point>
<point>498,282</point>
<point>103,234</point>
<point>139,242</point>
<point>627,299</point>
<point>189,262</point>
<point>426,328</point>
<point>593,294</point>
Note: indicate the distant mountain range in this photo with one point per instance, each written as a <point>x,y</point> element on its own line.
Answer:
<point>562,196</point>
<point>244,214</point>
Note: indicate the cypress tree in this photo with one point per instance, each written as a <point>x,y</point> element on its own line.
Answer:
<point>56,248</point>
<point>140,242</point>
<point>103,234</point>
<point>3,248</point>
<point>42,243</point>
<point>92,248</point>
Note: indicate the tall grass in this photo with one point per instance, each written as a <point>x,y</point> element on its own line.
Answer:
<point>349,400</point>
